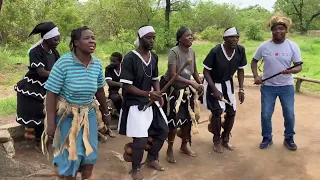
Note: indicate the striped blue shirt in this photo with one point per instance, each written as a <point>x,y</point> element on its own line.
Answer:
<point>70,79</point>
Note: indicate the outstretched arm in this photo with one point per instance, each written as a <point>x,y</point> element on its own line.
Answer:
<point>114,83</point>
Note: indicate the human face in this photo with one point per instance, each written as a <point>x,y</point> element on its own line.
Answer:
<point>147,40</point>
<point>279,32</point>
<point>86,43</point>
<point>186,39</point>
<point>114,61</point>
<point>231,41</point>
<point>53,42</point>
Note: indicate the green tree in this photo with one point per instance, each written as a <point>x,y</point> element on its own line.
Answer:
<point>16,21</point>
<point>65,14</point>
<point>302,12</point>
<point>209,14</point>
<point>170,7</point>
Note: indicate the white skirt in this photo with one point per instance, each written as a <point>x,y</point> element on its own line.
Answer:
<point>138,122</point>
<point>208,96</point>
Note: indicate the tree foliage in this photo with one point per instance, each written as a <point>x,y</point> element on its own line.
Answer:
<point>303,12</point>
<point>117,21</point>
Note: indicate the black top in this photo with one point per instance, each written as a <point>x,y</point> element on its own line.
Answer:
<point>112,74</point>
<point>39,58</point>
<point>140,74</point>
<point>32,84</point>
<point>221,66</point>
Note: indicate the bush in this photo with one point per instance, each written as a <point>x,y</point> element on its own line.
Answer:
<point>212,34</point>
<point>253,32</point>
<point>124,40</point>
<point>197,36</point>
<point>164,41</point>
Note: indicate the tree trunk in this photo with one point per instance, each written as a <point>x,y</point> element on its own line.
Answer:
<point>303,30</point>
<point>1,1</point>
<point>167,19</point>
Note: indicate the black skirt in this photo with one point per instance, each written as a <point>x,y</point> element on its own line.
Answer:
<point>30,102</point>
<point>176,119</point>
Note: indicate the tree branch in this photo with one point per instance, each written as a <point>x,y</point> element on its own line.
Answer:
<point>176,2</point>
<point>301,6</point>
<point>295,7</point>
<point>311,19</point>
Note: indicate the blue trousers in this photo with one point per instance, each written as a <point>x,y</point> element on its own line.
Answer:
<point>269,95</point>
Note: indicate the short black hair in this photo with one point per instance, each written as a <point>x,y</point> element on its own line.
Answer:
<point>117,55</point>
<point>76,35</point>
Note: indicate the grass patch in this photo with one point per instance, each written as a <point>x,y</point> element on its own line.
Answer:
<point>8,106</point>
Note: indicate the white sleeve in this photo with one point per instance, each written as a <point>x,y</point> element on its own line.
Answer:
<point>258,54</point>
<point>296,53</point>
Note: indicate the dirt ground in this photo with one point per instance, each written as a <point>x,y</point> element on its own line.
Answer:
<point>246,162</point>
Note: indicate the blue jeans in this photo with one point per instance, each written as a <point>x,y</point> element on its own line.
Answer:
<point>269,95</point>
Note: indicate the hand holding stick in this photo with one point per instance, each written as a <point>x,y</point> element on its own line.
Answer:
<point>281,71</point>
<point>164,89</point>
<point>226,101</point>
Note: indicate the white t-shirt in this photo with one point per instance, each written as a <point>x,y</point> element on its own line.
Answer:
<point>278,57</point>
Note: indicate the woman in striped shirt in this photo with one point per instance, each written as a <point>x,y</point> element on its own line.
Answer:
<point>72,115</point>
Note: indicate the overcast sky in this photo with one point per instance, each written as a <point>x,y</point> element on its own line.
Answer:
<point>244,3</point>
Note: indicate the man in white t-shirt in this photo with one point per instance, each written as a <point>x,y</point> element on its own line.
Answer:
<point>277,54</point>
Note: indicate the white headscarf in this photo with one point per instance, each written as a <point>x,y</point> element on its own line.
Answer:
<point>231,32</point>
<point>142,32</point>
<point>52,33</point>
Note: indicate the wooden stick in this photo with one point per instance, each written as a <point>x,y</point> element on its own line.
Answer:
<point>280,72</point>
<point>226,101</point>
<point>164,89</point>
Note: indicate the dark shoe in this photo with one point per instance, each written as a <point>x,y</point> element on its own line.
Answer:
<point>228,146</point>
<point>266,142</point>
<point>289,143</point>
<point>136,175</point>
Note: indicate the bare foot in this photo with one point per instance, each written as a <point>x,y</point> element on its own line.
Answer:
<point>111,133</point>
<point>137,175</point>
<point>228,146</point>
<point>170,157</point>
<point>217,147</point>
<point>155,165</point>
<point>186,150</point>
<point>38,147</point>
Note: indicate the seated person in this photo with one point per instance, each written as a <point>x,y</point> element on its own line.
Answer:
<point>112,75</point>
